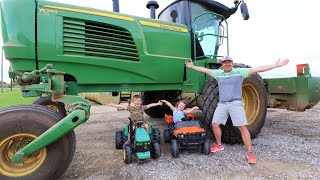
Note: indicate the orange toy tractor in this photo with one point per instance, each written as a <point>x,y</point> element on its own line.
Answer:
<point>187,134</point>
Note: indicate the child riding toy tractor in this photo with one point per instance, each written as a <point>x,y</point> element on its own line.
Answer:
<point>144,144</point>
<point>186,134</point>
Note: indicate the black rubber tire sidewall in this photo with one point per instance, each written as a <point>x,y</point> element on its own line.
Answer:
<point>206,147</point>
<point>128,154</point>
<point>35,119</point>
<point>166,135</point>
<point>156,150</point>
<point>119,139</point>
<point>44,101</point>
<point>156,135</point>
<point>174,148</point>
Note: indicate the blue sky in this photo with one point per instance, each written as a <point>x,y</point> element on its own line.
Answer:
<point>276,30</point>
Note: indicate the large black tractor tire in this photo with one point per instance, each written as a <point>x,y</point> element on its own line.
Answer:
<point>48,103</point>
<point>127,154</point>
<point>255,105</point>
<point>19,125</point>
<point>154,96</point>
<point>119,139</point>
<point>174,148</point>
<point>166,135</point>
<point>155,150</point>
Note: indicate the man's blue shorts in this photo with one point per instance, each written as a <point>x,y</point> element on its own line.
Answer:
<point>236,111</point>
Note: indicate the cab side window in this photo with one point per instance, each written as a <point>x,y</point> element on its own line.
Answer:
<point>177,13</point>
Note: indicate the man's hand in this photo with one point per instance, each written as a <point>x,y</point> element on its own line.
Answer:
<point>280,63</point>
<point>189,64</point>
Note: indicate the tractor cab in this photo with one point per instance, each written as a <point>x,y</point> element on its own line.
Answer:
<point>206,21</point>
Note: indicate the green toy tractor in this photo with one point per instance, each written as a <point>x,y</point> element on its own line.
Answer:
<point>144,144</point>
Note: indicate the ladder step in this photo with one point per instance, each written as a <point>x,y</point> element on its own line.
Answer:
<point>125,97</point>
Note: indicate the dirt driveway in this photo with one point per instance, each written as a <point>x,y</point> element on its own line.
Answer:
<point>288,147</point>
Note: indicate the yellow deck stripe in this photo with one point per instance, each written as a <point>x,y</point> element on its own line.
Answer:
<point>92,13</point>
<point>163,26</point>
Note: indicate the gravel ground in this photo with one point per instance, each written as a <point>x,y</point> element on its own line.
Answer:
<point>288,147</point>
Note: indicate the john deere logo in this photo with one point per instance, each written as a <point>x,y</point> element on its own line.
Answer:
<point>47,11</point>
<point>163,26</point>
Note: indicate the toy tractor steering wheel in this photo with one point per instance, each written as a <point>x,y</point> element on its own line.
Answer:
<point>186,119</point>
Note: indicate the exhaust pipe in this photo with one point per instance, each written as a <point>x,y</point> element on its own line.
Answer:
<point>152,5</point>
<point>115,5</point>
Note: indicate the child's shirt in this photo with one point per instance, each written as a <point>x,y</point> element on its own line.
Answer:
<point>178,115</point>
<point>136,113</point>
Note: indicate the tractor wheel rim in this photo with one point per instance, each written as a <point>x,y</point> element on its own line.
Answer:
<point>251,100</point>
<point>53,107</point>
<point>9,147</point>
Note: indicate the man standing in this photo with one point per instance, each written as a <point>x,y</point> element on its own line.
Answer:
<point>230,99</point>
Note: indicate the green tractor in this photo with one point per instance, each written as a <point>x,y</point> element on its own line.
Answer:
<point>144,144</point>
<point>57,51</point>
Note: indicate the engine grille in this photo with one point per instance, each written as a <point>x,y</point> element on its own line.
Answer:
<point>86,38</point>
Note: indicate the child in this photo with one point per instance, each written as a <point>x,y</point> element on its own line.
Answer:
<point>136,112</point>
<point>179,111</point>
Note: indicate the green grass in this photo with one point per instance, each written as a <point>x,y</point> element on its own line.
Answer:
<point>14,97</point>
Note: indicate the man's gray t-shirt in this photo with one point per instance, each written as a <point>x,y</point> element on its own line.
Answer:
<point>230,83</point>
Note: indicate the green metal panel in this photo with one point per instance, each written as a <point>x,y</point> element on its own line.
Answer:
<point>143,155</point>
<point>78,42</point>
<point>313,90</point>
<point>281,85</point>
<point>18,33</point>
<point>126,130</point>
<point>296,93</point>
<point>141,135</point>
<point>150,129</point>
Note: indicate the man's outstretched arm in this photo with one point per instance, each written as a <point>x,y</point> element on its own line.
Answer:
<point>198,68</point>
<point>279,63</point>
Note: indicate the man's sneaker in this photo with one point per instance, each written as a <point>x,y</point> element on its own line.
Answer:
<point>216,148</point>
<point>251,158</point>
<point>126,143</point>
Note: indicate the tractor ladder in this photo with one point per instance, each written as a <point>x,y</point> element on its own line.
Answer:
<point>124,97</point>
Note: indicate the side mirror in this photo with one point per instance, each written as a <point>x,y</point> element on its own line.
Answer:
<point>244,11</point>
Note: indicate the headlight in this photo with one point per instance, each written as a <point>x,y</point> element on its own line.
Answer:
<point>203,134</point>
<point>181,136</point>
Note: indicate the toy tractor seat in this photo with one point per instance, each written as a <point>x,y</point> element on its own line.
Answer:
<point>169,118</point>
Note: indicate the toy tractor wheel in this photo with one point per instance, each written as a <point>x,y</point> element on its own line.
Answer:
<point>166,135</point>
<point>56,106</point>
<point>20,125</point>
<point>154,96</point>
<point>156,135</point>
<point>127,154</point>
<point>255,105</point>
<point>119,139</point>
<point>174,148</point>
<point>155,150</point>
<point>206,147</point>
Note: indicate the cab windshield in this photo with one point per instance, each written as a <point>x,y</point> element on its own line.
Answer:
<point>206,30</point>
